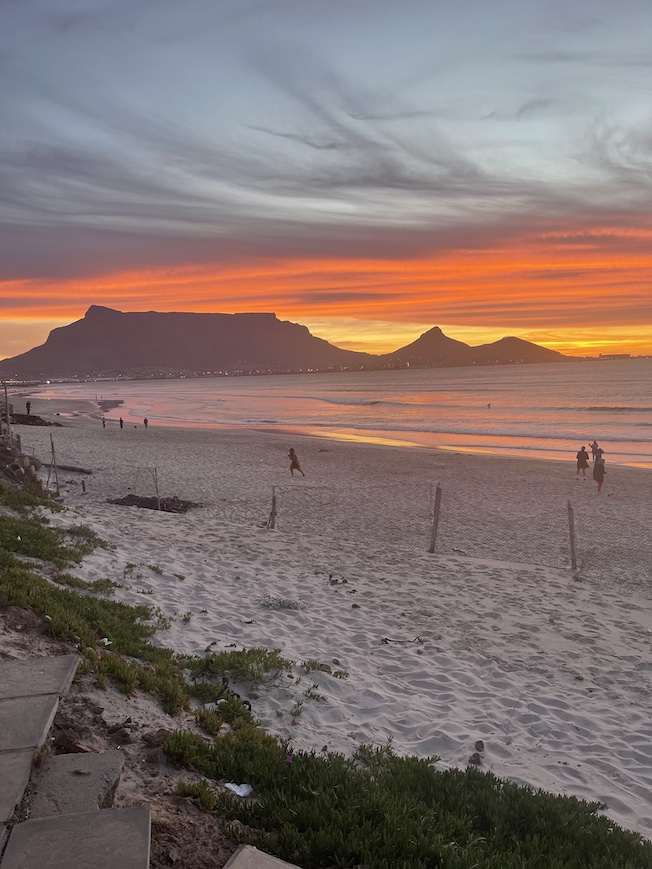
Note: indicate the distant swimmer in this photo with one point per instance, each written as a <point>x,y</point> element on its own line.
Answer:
<point>599,470</point>
<point>294,462</point>
<point>582,462</point>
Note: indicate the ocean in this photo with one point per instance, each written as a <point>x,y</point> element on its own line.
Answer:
<point>542,411</point>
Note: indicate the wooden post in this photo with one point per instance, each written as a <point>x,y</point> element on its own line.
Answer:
<point>54,465</point>
<point>271,522</point>
<point>571,532</point>
<point>8,418</point>
<point>158,497</point>
<point>435,519</point>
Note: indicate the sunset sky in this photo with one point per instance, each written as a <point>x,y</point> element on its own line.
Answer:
<point>369,168</point>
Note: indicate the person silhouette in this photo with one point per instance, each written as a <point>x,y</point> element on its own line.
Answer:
<point>599,470</point>
<point>122,423</point>
<point>582,462</point>
<point>594,449</point>
<point>145,422</point>
<point>294,462</point>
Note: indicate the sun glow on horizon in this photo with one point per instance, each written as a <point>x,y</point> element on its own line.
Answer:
<point>577,290</point>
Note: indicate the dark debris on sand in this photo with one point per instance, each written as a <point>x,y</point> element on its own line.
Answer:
<point>168,505</point>
<point>31,419</point>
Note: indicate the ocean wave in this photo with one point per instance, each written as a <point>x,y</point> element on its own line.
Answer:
<point>477,432</point>
<point>608,409</point>
<point>359,402</point>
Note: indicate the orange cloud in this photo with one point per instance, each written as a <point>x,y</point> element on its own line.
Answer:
<point>577,289</point>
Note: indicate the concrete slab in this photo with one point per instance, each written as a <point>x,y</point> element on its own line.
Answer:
<point>37,676</point>
<point>71,784</point>
<point>26,721</point>
<point>248,857</point>
<point>15,767</point>
<point>111,839</point>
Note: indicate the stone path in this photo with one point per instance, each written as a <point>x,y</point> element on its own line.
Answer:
<point>71,826</point>
<point>65,835</point>
<point>29,698</point>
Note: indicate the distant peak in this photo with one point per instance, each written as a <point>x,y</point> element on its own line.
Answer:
<point>100,311</point>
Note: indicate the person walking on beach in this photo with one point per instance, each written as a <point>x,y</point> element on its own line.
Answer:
<point>145,423</point>
<point>122,422</point>
<point>28,407</point>
<point>103,422</point>
<point>294,462</point>
<point>594,449</point>
<point>582,462</point>
<point>599,470</point>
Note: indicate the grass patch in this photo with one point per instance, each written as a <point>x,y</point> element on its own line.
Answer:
<point>382,811</point>
<point>29,537</point>
<point>96,586</point>
<point>86,539</point>
<point>24,502</point>
<point>247,666</point>
<point>85,620</point>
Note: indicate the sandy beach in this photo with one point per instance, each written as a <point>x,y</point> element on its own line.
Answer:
<point>491,638</point>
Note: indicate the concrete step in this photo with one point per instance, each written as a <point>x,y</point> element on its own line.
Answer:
<point>29,697</point>
<point>72,784</point>
<point>248,857</point>
<point>109,839</point>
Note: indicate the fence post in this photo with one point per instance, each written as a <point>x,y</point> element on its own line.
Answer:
<point>158,497</point>
<point>8,417</point>
<point>571,532</point>
<point>271,522</point>
<point>435,519</point>
<point>54,466</point>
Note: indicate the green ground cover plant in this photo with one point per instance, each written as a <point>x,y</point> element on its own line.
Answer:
<point>24,502</point>
<point>382,811</point>
<point>97,586</point>
<point>248,666</point>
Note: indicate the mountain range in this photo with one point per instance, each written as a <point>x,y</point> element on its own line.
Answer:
<point>109,343</point>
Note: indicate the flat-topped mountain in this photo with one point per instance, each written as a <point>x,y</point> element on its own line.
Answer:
<point>108,343</point>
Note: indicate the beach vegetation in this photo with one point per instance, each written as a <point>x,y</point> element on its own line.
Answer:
<point>185,618</point>
<point>312,692</point>
<point>27,536</point>
<point>97,586</point>
<point>179,576</point>
<point>380,810</point>
<point>271,602</point>
<point>247,666</point>
<point>156,569</point>
<point>311,665</point>
<point>340,674</point>
<point>297,709</point>
<point>25,502</point>
<point>87,539</point>
<point>200,791</point>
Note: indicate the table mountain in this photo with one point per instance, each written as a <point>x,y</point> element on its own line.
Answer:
<point>109,343</point>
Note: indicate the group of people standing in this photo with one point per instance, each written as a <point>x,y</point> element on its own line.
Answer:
<point>598,463</point>
<point>121,422</point>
